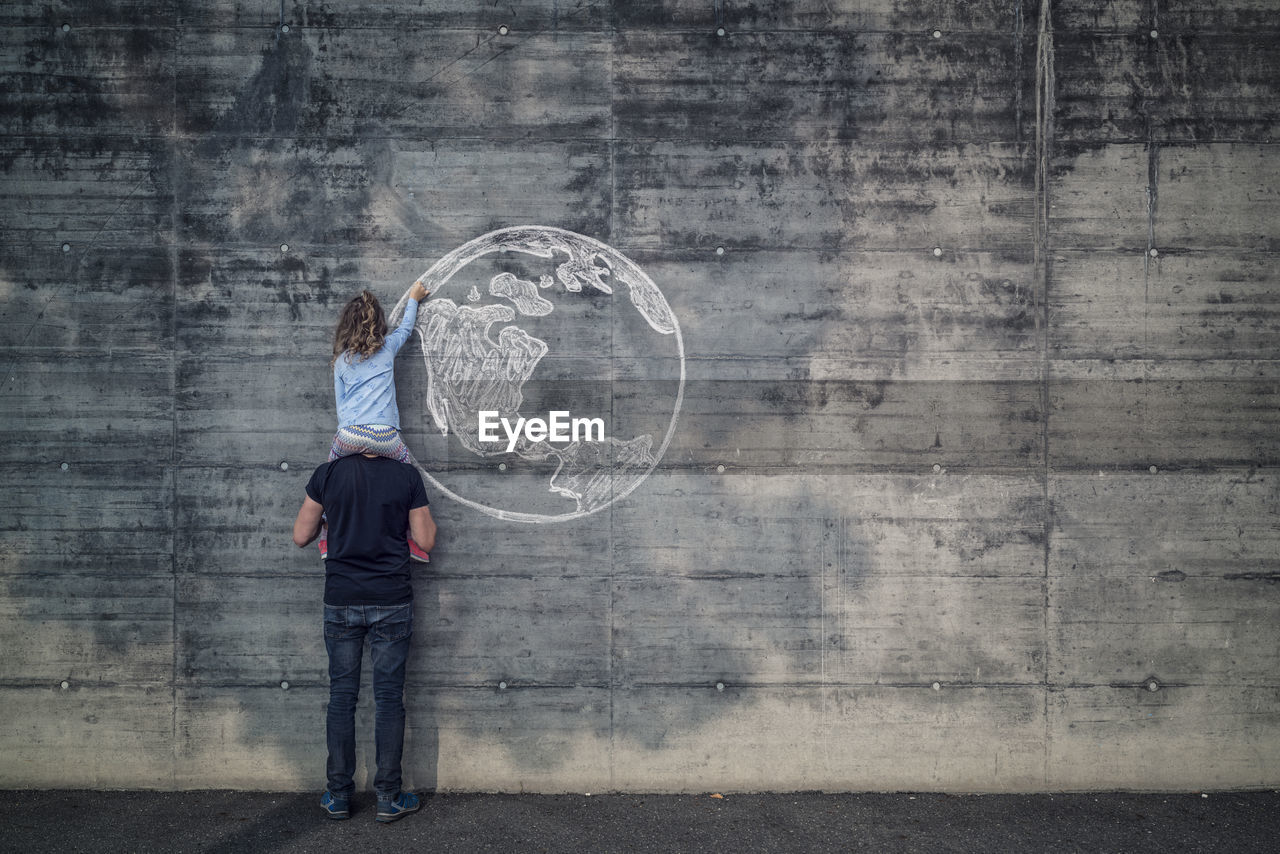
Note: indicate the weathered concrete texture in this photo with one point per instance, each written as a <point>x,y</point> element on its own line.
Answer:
<point>974,482</point>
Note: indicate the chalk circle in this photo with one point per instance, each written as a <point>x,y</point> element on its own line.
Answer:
<point>565,323</point>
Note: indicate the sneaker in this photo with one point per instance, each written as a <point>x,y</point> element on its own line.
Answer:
<point>335,807</point>
<point>417,553</point>
<point>404,803</point>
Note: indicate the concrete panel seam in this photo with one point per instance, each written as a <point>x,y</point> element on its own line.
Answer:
<point>1044,140</point>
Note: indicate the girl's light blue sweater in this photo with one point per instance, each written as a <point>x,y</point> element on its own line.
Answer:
<point>365,390</point>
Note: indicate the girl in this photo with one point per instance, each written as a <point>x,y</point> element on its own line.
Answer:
<point>364,385</point>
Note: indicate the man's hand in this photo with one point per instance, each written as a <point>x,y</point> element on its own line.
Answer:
<point>307,526</point>
<point>422,528</point>
<point>418,292</point>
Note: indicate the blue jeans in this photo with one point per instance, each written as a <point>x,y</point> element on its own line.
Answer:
<point>390,628</point>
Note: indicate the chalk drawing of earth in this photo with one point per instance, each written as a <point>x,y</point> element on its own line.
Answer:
<point>526,321</point>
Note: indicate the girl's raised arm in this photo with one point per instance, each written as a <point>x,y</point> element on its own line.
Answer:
<point>397,339</point>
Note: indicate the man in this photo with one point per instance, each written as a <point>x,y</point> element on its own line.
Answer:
<point>368,501</point>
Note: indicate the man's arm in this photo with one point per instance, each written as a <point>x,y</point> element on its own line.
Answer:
<point>421,527</point>
<point>307,526</point>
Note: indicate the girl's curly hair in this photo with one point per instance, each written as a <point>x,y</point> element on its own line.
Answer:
<point>362,328</point>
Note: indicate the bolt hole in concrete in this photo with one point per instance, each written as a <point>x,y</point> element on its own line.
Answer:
<point>503,30</point>
<point>284,686</point>
<point>284,467</point>
<point>937,686</point>
<point>720,31</point>
<point>1154,252</point>
<point>66,247</point>
<point>719,686</point>
<point>1155,34</point>
<point>719,250</point>
<point>502,466</point>
<point>719,469</point>
<point>1153,470</point>
<point>936,468</point>
<point>937,252</point>
<point>502,686</point>
<point>284,28</point>
<point>65,466</point>
<point>937,34</point>
<point>66,28</point>
<point>284,247</point>
<point>1153,685</point>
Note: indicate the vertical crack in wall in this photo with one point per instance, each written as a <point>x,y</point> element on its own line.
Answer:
<point>174,272</point>
<point>1041,263</point>
<point>611,672</point>
<point>1018,34</point>
<point>1153,177</point>
<point>1153,174</point>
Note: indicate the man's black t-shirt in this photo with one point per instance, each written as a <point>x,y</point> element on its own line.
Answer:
<point>366,502</point>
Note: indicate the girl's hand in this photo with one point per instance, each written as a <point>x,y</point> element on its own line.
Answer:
<point>418,292</point>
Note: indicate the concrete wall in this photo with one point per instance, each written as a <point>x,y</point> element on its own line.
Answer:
<point>989,361</point>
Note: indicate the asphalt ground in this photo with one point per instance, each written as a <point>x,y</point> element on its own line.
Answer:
<point>221,821</point>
